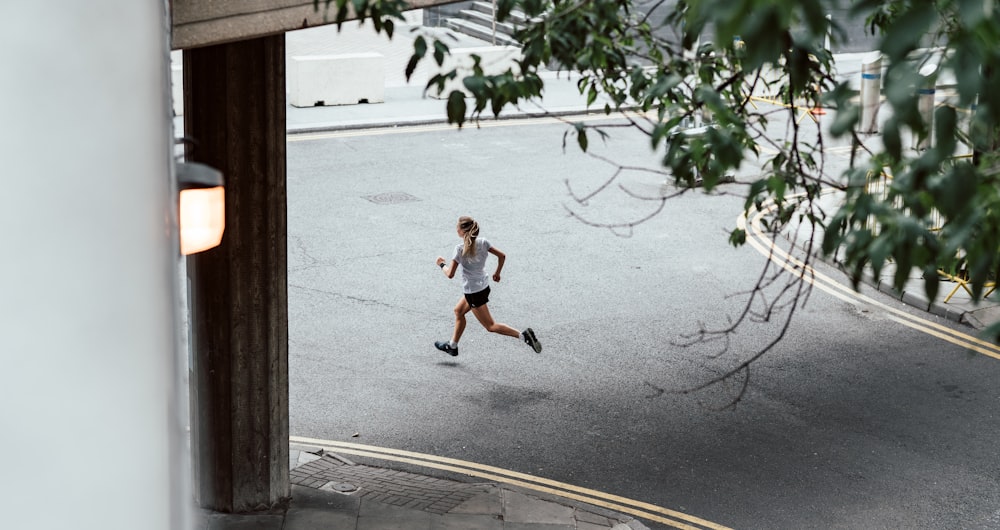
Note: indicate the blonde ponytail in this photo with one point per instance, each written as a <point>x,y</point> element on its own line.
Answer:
<point>470,231</point>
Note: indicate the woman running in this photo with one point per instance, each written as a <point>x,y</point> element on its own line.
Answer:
<point>471,254</point>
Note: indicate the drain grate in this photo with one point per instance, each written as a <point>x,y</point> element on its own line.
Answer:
<point>391,197</point>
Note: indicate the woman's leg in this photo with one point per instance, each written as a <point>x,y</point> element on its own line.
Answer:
<point>486,319</point>
<point>461,308</point>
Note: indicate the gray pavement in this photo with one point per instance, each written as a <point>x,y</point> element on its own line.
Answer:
<point>331,491</point>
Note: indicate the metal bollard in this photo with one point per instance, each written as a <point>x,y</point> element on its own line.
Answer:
<point>871,89</point>
<point>925,105</point>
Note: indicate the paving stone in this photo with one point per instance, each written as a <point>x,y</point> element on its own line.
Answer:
<point>382,523</point>
<point>484,503</point>
<point>380,516</point>
<point>372,508</point>
<point>467,522</point>
<point>243,522</point>
<point>582,525</point>
<point>305,458</point>
<point>583,516</point>
<point>521,508</point>
<point>310,519</point>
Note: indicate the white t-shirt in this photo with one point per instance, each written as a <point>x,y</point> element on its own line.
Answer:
<point>474,278</point>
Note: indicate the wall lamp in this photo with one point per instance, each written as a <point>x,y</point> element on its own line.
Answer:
<point>202,206</point>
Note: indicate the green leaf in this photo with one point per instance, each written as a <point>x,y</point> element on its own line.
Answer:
<point>973,12</point>
<point>737,237</point>
<point>845,121</point>
<point>904,34</point>
<point>419,46</point>
<point>581,136</point>
<point>419,50</point>
<point>456,107</point>
<point>891,138</point>
<point>360,7</point>
<point>440,50</point>
<point>475,83</point>
<point>945,120</point>
<point>931,282</point>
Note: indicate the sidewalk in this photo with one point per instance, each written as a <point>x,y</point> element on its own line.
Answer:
<point>332,492</point>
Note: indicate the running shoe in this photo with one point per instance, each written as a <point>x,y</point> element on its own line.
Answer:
<point>529,338</point>
<point>446,347</point>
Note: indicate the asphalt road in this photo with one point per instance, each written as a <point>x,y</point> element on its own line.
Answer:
<point>852,421</point>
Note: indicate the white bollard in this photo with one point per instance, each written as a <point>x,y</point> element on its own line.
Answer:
<point>871,89</point>
<point>925,105</point>
<point>829,29</point>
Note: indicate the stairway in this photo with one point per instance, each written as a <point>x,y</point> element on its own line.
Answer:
<point>477,21</point>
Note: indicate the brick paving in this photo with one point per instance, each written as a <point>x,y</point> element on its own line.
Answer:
<point>388,486</point>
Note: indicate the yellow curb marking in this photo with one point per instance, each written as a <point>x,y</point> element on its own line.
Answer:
<point>596,498</point>
<point>767,247</point>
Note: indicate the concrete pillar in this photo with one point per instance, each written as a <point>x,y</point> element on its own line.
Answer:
<point>871,91</point>
<point>89,311</point>
<point>925,105</point>
<point>234,111</point>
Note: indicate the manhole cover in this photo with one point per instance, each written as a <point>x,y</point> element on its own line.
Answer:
<point>343,487</point>
<point>339,487</point>
<point>392,197</point>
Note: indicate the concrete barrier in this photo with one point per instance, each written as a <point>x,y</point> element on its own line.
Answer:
<point>493,60</point>
<point>348,79</point>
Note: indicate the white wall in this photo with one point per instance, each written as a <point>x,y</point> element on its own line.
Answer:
<point>89,429</point>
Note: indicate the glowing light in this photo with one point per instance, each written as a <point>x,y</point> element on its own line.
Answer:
<point>202,218</point>
<point>202,207</point>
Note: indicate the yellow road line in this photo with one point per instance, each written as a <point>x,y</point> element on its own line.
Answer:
<point>758,230</point>
<point>569,491</point>
<point>831,286</point>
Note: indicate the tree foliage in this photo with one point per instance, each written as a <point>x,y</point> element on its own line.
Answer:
<point>703,59</point>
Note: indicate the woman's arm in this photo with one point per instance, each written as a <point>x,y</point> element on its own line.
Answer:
<point>448,271</point>
<point>501,257</point>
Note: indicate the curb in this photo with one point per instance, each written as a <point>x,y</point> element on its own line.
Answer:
<point>442,119</point>
<point>410,489</point>
<point>908,297</point>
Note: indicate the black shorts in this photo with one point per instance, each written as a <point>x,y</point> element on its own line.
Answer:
<point>478,299</point>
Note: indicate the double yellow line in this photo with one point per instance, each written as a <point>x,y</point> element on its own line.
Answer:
<point>758,238</point>
<point>616,503</point>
